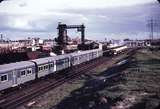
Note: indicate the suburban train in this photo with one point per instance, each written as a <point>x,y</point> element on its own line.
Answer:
<point>14,74</point>
<point>115,50</point>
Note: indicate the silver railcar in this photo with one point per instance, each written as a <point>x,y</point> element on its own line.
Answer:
<point>16,73</point>
<point>78,58</point>
<point>50,65</point>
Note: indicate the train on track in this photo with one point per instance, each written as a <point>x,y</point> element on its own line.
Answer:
<point>14,74</point>
<point>115,50</point>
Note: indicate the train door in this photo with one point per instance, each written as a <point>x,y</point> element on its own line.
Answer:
<point>14,78</point>
<point>55,66</point>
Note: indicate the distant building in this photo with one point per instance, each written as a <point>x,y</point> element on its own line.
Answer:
<point>48,44</point>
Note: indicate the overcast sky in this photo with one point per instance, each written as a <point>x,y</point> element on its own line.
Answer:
<point>116,19</point>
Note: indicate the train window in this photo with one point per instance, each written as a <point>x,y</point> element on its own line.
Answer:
<point>51,65</point>
<point>43,67</point>
<point>39,68</point>
<point>46,66</point>
<point>66,60</point>
<point>23,73</point>
<point>29,71</point>
<point>4,78</point>
<point>59,62</point>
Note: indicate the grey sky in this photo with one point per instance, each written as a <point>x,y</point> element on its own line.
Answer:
<point>103,19</point>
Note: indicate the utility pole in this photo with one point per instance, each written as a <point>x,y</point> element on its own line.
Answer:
<point>154,26</point>
<point>151,27</point>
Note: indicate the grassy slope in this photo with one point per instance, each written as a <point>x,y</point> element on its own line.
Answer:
<point>142,81</point>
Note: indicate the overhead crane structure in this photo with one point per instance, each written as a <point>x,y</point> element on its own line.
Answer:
<point>62,33</point>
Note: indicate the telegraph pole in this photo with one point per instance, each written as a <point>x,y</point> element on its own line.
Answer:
<point>151,27</point>
<point>154,26</point>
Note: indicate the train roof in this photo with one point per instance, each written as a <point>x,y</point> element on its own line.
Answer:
<point>52,58</point>
<point>17,65</point>
<point>41,60</point>
<point>49,59</point>
<point>120,48</point>
<point>84,52</point>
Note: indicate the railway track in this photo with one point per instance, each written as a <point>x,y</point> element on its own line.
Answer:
<point>15,99</point>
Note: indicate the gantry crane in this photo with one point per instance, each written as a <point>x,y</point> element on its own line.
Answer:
<point>62,33</point>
